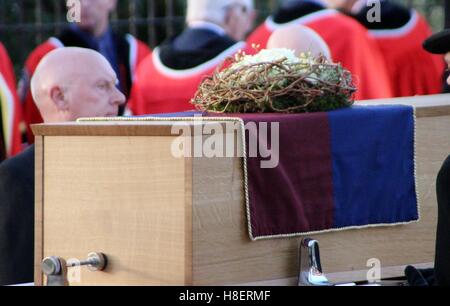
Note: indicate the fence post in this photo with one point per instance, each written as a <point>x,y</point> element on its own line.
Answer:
<point>170,12</point>
<point>58,18</point>
<point>447,14</point>
<point>132,17</point>
<point>38,20</point>
<point>151,15</point>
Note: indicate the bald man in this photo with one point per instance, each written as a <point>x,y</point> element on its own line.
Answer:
<point>301,39</point>
<point>68,84</point>
<point>167,80</point>
<point>124,52</point>
<point>348,40</point>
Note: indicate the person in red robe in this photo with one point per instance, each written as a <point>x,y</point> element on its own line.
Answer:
<point>399,32</point>
<point>168,79</point>
<point>123,52</point>
<point>10,112</point>
<point>349,42</point>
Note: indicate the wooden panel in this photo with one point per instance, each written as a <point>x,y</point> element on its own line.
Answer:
<point>124,196</point>
<point>188,208</point>
<point>38,209</point>
<point>105,129</point>
<point>120,128</point>
<point>342,277</point>
<point>426,106</point>
<point>223,253</point>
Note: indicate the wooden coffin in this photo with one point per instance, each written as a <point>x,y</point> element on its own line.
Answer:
<point>116,188</point>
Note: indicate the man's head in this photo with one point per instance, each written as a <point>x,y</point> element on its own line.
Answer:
<point>345,5</point>
<point>236,17</point>
<point>439,43</point>
<point>71,83</point>
<point>447,61</point>
<point>95,15</point>
<point>301,39</point>
<point>333,4</point>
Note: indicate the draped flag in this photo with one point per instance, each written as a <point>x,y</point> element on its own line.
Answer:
<point>346,169</point>
<point>350,168</point>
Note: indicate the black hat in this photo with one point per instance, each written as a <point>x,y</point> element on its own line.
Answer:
<point>439,43</point>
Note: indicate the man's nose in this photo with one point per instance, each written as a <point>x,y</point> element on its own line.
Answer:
<point>118,97</point>
<point>85,4</point>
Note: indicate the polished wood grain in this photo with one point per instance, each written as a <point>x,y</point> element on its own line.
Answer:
<point>38,210</point>
<point>104,129</point>
<point>123,196</point>
<point>426,106</point>
<point>343,278</point>
<point>188,220</point>
<point>120,128</point>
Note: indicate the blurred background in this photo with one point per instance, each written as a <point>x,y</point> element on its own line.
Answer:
<point>26,23</point>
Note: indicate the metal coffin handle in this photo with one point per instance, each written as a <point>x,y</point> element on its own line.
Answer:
<point>311,273</point>
<point>55,268</point>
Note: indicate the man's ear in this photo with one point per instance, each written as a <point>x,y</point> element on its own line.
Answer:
<point>229,18</point>
<point>447,58</point>
<point>58,98</point>
<point>230,22</point>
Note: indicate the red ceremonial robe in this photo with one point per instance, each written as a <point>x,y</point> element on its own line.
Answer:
<point>350,45</point>
<point>162,89</point>
<point>130,53</point>
<point>400,34</point>
<point>10,136</point>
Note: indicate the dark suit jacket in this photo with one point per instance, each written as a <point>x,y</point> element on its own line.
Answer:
<point>193,47</point>
<point>17,219</point>
<point>442,264</point>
